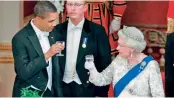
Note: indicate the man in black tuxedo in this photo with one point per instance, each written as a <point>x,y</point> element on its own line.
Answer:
<point>82,37</point>
<point>169,66</point>
<point>34,50</point>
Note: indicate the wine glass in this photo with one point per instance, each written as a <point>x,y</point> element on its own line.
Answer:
<point>63,43</point>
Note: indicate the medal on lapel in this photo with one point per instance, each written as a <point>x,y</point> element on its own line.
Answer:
<point>84,42</point>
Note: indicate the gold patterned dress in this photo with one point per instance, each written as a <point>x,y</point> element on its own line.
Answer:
<point>147,84</point>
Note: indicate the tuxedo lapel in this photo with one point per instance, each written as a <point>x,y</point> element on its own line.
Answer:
<point>81,47</point>
<point>36,44</point>
<point>51,39</point>
<point>63,37</point>
<point>55,61</point>
<point>34,39</point>
<point>85,34</point>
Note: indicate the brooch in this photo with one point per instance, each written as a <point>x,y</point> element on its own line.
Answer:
<point>142,65</point>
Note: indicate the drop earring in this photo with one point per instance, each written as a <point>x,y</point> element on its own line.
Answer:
<point>131,55</point>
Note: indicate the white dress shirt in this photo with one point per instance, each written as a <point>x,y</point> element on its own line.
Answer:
<point>45,45</point>
<point>73,40</point>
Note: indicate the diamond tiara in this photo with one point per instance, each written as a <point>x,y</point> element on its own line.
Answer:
<point>130,36</point>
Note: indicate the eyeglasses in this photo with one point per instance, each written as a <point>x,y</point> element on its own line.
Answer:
<point>75,4</point>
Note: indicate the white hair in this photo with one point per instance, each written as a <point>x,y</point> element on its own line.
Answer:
<point>133,37</point>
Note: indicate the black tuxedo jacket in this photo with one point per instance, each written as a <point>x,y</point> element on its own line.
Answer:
<point>169,66</point>
<point>30,64</point>
<point>97,44</point>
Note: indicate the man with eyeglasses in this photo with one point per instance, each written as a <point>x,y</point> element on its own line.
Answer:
<point>82,37</point>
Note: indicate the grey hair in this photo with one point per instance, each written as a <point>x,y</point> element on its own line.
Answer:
<point>133,37</point>
<point>43,7</point>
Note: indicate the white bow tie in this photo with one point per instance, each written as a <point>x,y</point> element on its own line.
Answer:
<point>43,35</point>
<point>46,34</point>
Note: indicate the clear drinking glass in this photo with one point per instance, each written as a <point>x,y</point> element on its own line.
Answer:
<point>63,43</point>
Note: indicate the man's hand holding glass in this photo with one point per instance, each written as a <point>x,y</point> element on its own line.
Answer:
<point>54,49</point>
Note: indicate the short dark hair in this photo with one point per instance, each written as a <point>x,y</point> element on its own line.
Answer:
<point>43,7</point>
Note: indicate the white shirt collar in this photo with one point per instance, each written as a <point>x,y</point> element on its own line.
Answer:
<point>39,33</point>
<point>79,25</point>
